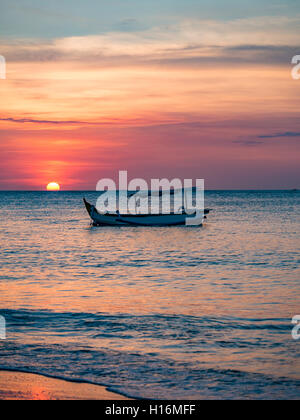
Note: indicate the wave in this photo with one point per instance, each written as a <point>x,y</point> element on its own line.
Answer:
<point>153,356</point>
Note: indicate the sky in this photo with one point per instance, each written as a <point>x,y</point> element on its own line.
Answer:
<point>162,89</point>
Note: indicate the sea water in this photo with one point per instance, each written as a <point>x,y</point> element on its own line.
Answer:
<point>175,312</point>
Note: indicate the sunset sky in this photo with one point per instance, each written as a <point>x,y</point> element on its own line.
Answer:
<point>168,88</point>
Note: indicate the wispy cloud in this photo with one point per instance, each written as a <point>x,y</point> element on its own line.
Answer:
<point>260,40</point>
<point>58,122</point>
<point>283,134</point>
<point>259,139</point>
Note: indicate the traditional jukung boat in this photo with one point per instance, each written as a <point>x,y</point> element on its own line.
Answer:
<point>116,219</point>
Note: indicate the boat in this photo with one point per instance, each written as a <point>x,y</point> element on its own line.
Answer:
<point>117,219</point>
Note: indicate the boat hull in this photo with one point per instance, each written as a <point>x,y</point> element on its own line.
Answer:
<point>135,220</point>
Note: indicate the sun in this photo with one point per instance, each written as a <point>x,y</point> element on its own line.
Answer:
<point>53,186</point>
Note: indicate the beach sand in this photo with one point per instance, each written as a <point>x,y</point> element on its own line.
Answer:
<point>27,386</point>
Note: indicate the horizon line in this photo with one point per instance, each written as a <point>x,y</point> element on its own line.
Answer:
<point>207,189</point>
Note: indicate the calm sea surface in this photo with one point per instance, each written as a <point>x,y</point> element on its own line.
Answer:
<point>154,312</point>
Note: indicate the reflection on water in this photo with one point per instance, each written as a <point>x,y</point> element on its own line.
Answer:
<point>181,311</point>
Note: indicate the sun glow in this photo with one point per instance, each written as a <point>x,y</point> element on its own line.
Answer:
<point>53,186</point>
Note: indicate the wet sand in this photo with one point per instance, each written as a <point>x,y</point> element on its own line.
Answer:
<point>27,386</point>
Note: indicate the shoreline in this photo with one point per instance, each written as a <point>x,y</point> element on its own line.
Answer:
<point>15,385</point>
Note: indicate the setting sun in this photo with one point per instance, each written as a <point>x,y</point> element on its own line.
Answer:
<point>53,186</point>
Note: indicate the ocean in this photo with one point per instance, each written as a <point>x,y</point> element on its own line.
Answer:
<point>162,313</point>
